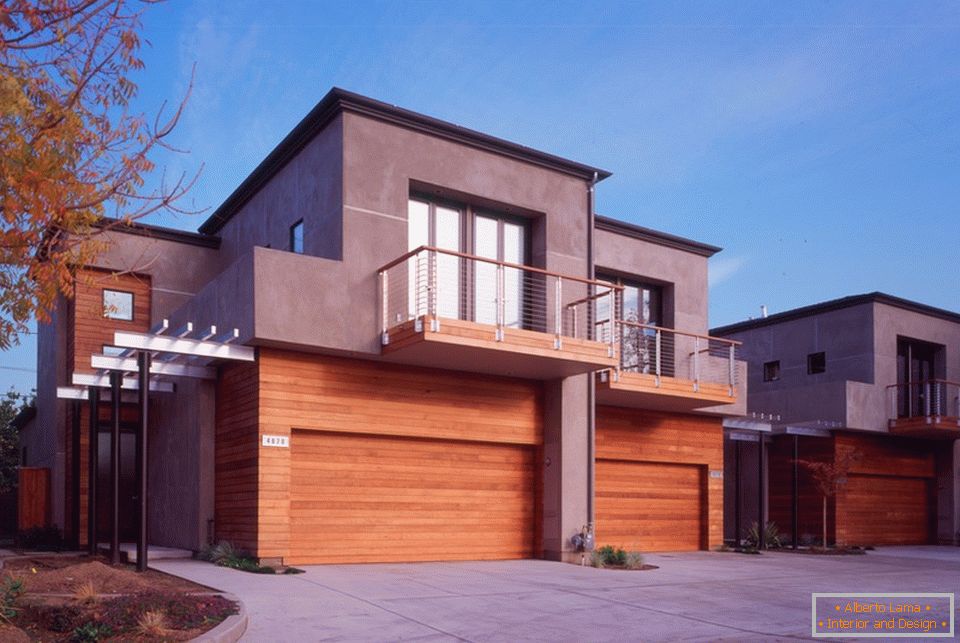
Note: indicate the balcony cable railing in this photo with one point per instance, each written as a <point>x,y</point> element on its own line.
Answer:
<point>429,284</point>
<point>666,352</point>
<point>924,398</point>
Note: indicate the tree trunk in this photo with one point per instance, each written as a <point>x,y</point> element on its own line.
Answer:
<point>824,522</point>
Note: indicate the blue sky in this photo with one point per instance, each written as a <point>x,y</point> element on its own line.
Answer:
<point>817,142</point>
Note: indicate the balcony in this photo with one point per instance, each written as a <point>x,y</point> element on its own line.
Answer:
<point>448,309</point>
<point>670,370</point>
<point>928,408</point>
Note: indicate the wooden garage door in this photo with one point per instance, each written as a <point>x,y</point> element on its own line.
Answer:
<point>649,506</point>
<point>362,498</point>
<point>887,510</point>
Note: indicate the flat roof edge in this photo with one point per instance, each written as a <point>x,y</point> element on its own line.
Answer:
<point>339,100</point>
<point>634,231</point>
<point>838,304</point>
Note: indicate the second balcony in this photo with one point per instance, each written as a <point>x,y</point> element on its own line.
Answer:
<point>453,310</point>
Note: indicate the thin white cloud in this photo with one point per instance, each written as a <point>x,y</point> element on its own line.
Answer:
<point>723,268</point>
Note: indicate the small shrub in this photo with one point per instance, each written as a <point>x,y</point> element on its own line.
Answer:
<point>222,551</point>
<point>85,592</point>
<point>293,570</point>
<point>770,535</point>
<point>91,631</point>
<point>634,560</point>
<point>152,623</point>
<point>12,590</point>
<point>608,556</point>
<point>39,538</point>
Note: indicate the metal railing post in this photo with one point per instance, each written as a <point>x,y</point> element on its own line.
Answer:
<point>433,290</point>
<point>696,363</point>
<point>558,314</point>
<point>611,351</point>
<point>657,354</point>
<point>384,307</point>
<point>732,368</point>
<point>576,330</point>
<point>501,288</point>
<point>926,399</point>
<point>937,408</point>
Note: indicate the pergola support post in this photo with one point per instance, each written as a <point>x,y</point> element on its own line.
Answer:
<point>92,469</point>
<point>761,523</point>
<point>143,362</point>
<point>115,381</point>
<point>796,491</point>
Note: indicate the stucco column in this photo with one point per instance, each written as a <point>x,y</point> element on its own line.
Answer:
<point>564,465</point>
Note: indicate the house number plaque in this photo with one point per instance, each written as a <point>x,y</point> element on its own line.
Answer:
<point>281,441</point>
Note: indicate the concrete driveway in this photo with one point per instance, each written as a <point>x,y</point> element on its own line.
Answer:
<point>692,596</point>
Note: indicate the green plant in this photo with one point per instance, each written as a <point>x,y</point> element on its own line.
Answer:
<point>12,590</point>
<point>609,556</point>
<point>770,535</point>
<point>293,570</point>
<point>221,551</point>
<point>91,631</point>
<point>634,560</point>
<point>226,555</point>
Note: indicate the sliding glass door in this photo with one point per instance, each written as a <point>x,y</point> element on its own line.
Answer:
<point>500,239</point>
<point>439,226</point>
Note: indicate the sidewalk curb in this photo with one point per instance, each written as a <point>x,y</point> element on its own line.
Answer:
<point>232,627</point>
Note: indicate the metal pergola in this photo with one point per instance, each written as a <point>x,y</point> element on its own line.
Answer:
<point>756,428</point>
<point>143,362</point>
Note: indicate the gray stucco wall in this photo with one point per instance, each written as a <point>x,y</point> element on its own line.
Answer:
<point>45,437</point>
<point>309,187</point>
<point>684,275</point>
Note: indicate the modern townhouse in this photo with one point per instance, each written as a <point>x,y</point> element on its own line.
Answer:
<point>455,358</point>
<point>868,383</point>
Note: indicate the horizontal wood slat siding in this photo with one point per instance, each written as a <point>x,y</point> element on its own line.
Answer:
<point>661,441</point>
<point>236,456</point>
<point>889,497</point>
<point>648,506</point>
<point>374,400</point>
<point>360,498</point>
<point>886,510</point>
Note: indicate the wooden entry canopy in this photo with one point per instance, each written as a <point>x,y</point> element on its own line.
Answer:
<point>140,363</point>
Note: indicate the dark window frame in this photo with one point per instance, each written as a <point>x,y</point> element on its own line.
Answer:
<point>771,371</point>
<point>292,241</point>
<point>113,316</point>
<point>816,363</point>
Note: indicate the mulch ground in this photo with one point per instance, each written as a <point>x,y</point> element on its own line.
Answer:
<point>55,601</point>
<point>44,575</point>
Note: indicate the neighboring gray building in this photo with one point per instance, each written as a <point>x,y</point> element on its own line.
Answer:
<point>878,375</point>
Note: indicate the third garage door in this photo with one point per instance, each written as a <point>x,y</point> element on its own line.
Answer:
<point>649,506</point>
<point>365,498</point>
<point>887,510</point>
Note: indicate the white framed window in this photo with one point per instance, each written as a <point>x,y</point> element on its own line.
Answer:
<point>117,304</point>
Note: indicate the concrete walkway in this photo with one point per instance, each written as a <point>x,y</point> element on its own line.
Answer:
<point>694,596</point>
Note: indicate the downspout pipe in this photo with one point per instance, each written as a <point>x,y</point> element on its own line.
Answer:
<point>592,382</point>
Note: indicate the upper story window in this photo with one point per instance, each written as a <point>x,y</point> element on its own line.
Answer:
<point>296,237</point>
<point>771,371</point>
<point>118,304</point>
<point>816,363</point>
<point>642,309</point>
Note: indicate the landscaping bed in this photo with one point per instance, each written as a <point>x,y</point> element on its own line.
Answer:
<point>608,557</point>
<point>80,598</point>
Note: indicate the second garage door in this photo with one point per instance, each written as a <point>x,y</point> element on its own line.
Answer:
<point>364,498</point>
<point>649,506</point>
<point>887,510</point>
